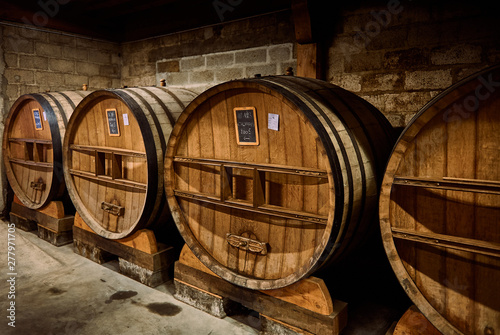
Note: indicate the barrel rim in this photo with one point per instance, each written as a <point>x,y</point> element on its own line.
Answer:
<point>152,165</point>
<point>324,247</point>
<point>410,132</point>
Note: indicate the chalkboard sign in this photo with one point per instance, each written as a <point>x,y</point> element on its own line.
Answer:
<point>37,119</point>
<point>113,128</point>
<point>245,120</point>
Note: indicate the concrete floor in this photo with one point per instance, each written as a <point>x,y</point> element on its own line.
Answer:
<point>58,292</point>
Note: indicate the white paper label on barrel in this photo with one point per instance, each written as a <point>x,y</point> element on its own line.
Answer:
<point>125,119</point>
<point>273,121</point>
<point>44,116</point>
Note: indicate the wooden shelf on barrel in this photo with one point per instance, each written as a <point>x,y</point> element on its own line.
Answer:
<point>112,174</point>
<point>260,203</point>
<point>35,152</point>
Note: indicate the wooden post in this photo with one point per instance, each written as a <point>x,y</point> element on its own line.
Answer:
<point>309,62</point>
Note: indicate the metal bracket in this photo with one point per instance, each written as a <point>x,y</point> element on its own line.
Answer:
<point>247,244</point>
<point>112,208</point>
<point>39,185</point>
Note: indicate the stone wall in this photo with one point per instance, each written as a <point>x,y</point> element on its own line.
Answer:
<point>400,54</point>
<point>37,60</point>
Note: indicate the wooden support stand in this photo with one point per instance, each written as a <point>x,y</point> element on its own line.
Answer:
<point>140,257</point>
<point>413,322</point>
<point>302,308</point>
<point>53,225</point>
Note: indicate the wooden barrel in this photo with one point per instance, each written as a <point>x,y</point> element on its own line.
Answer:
<point>270,178</point>
<point>32,145</point>
<point>114,149</point>
<point>440,207</point>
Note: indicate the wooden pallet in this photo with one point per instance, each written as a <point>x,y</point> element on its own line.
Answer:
<point>140,256</point>
<point>51,221</point>
<point>305,307</point>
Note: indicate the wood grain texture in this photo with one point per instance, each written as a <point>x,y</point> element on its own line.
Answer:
<point>413,322</point>
<point>116,182</point>
<point>33,157</point>
<point>307,192</point>
<point>143,240</point>
<point>440,207</point>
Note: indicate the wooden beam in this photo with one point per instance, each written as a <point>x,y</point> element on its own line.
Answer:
<point>309,62</point>
<point>302,22</point>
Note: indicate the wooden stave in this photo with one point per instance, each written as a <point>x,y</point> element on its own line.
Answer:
<point>156,121</point>
<point>58,107</point>
<point>426,114</point>
<point>268,84</point>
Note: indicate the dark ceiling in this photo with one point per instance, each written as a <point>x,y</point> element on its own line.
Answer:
<point>128,20</point>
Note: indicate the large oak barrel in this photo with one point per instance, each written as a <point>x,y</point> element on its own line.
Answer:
<point>114,149</point>
<point>32,145</point>
<point>270,178</point>
<point>440,207</point>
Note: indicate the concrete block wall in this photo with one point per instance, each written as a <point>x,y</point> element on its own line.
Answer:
<point>399,54</point>
<point>201,58</point>
<point>39,61</point>
<point>201,72</point>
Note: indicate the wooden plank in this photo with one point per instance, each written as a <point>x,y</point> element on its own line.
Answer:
<point>109,180</point>
<point>143,240</point>
<point>162,259</point>
<point>413,322</point>
<point>31,163</point>
<point>55,224</point>
<point>455,184</point>
<point>222,151</point>
<point>302,21</point>
<point>449,241</point>
<point>430,213</point>
<point>487,216</point>
<point>264,209</point>
<point>277,168</point>
<point>110,150</point>
<point>308,61</point>
<point>265,304</point>
<point>54,209</point>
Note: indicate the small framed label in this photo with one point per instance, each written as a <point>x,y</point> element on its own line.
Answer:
<point>37,119</point>
<point>245,121</point>
<point>113,128</point>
